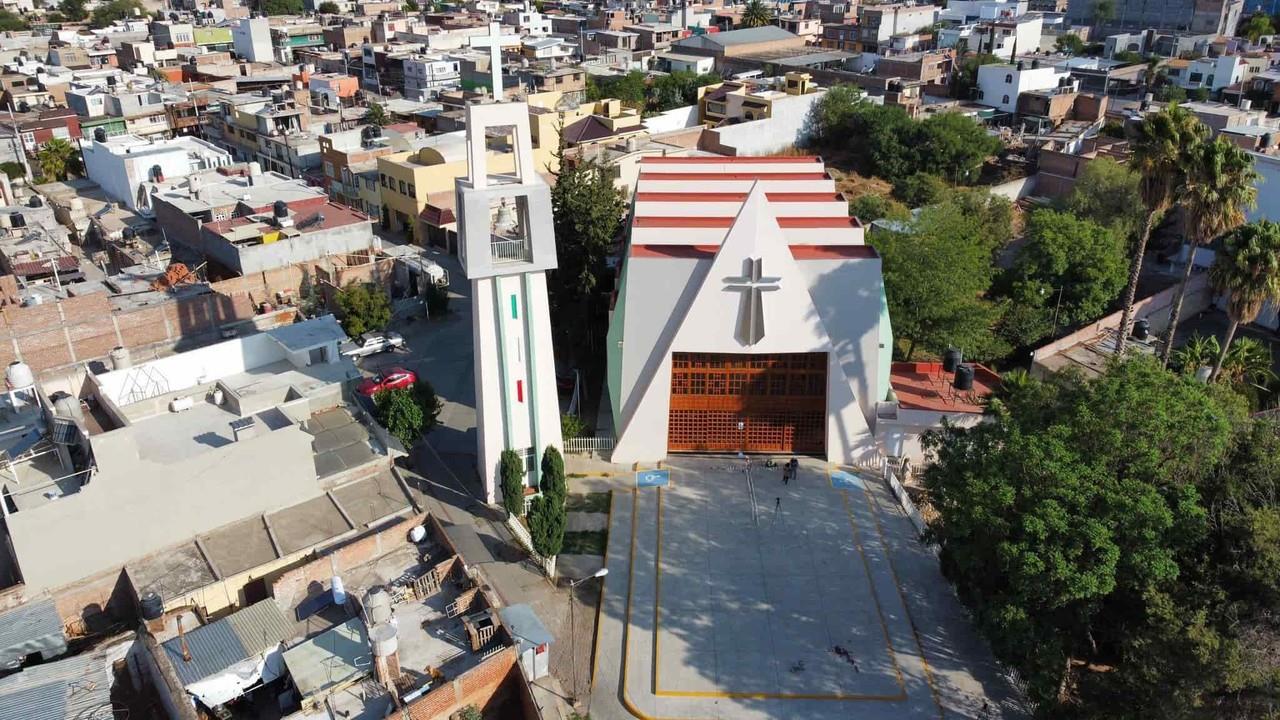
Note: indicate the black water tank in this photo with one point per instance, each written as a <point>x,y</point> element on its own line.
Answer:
<point>1142,329</point>
<point>16,220</point>
<point>152,606</point>
<point>281,208</point>
<point>100,134</point>
<point>951,359</point>
<point>964,378</point>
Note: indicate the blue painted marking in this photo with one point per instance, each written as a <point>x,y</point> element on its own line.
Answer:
<point>842,480</point>
<point>653,478</point>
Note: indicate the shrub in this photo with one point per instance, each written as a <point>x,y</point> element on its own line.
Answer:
<point>408,413</point>
<point>511,475</point>
<point>572,426</point>
<point>364,307</point>
<point>546,525</point>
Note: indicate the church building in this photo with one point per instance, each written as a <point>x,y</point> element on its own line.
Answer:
<point>750,315</point>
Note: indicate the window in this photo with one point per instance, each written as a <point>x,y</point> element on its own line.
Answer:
<point>382,180</point>
<point>402,188</point>
<point>981,94</point>
<point>1008,79</point>
<point>412,190</point>
<point>1005,100</point>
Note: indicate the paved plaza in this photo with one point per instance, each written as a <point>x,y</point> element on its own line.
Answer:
<point>732,595</point>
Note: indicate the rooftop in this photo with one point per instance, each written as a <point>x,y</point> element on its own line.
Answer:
<point>218,646</point>
<point>765,33</point>
<point>926,386</point>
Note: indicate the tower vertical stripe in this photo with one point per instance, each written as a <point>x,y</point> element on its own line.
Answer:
<point>515,312</point>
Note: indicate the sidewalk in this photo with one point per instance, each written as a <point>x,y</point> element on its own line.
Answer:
<point>443,484</point>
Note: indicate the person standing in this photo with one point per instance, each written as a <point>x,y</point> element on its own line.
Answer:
<point>794,467</point>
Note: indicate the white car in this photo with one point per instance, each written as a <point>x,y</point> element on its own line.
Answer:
<point>372,343</point>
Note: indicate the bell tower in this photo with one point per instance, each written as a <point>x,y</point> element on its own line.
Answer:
<point>507,245</point>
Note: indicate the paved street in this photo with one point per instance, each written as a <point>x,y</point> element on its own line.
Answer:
<point>443,479</point>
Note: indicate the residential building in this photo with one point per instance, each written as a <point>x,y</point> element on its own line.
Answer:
<point>607,122</point>
<point>679,62</point>
<point>122,165</point>
<point>214,39</point>
<point>333,90</point>
<point>289,38</point>
<point>167,34</point>
<point>930,68</point>
<point>1216,17</point>
<point>37,127</point>
<point>840,36</point>
<point>924,398</point>
<point>809,28</point>
<point>1211,74</point>
<point>547,49</point>
<point>743,101</point>
<point>251,38</point>
<point>765,40</point>
<point>878,24</point>
<point>426,75</point>
<point>654,36</point>
<point>1000,84</point>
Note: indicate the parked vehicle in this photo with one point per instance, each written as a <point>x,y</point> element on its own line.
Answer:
<point>390,379</point>
<point>371,343</point>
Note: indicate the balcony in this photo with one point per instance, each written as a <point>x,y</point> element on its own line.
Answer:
<point>506,250</point>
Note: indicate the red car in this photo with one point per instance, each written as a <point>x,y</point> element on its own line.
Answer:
<point>391,379</point>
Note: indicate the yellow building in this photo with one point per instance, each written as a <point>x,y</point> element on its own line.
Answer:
<point>744,101</point>
<point>417,186</point>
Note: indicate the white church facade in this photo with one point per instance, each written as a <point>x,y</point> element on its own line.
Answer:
<point>750,315</point>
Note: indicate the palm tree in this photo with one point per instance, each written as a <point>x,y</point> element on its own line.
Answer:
<point>755,14</point>
<point>1159,143</point>
<point>1248,362</point>
<point>1200,351</point>
<point>54,158</point>
<point>1219,187</point>
<point>1247,270</point>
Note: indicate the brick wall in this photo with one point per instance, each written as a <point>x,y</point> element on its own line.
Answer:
<point>478,686</point>
<point>292,586</point>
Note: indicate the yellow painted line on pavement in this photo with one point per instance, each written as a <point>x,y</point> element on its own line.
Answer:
<point>595,648</point>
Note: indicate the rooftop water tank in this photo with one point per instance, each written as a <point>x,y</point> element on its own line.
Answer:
<point>152,606</point>
<point>119,357</point>
<point>951,359</point>
<point>964,378</point>
<point>383,639</point>
<point>18,376</point>
<point>339,592</point>
<point>378,605</point>
<point>1142,329</point>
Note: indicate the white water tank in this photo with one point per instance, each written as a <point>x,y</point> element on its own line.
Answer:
<point>120,359</point>
<point>18,376</point>
<point>417,534</point>
<point>378,605</point>
<point>179,404</point>
<point>339,592</point>
<point>383,639</point>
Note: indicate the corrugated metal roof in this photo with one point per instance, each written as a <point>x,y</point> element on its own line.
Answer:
<point>76,688</point>
<point>764,33</point>
<point>233,639</point>
<point>28,628</point>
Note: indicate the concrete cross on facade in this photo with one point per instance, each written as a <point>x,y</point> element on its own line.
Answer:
<point>752,285</point>
<point>494,41</point>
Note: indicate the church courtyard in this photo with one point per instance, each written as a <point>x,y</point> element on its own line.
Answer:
<point>733,595</point>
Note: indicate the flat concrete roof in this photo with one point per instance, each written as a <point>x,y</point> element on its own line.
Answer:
<point>306,524</point>
<point>330,659</point>
<point>240,546</point>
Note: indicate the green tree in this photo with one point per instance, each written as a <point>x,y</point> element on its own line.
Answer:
<point>830,115</point>
<point>871,207</point>
<point>511,477</point>
<point>964,81</point>
<point>953,146</point>
<point>678,89</point>
<point>1069,44</point>
<point>55,158</point>
<point>1076,260</point>
<point>1160,139</point>
<point>587,212</point>
<point>1246,268</point>
<point>920,189</point>
<point>1104,11</point>
<point>755,14</point>
<point>109,12</point>
<point>73,10</point>
<point>11,22</point>
<point>12,169</point>
<point>935,274</point>
<point>1256,26</point>
<point>547,516</point>
<point>376,114</point>
<point>364,307</point>
<point>572,426</point>
<point>1219,187</point>
<point>1129,57</point>
<point>1247,362</point>
<point>411,5</point>
<point>328,7</point>
<point>631,88</point>
<point>1109,194</point>
<point>1066,522</point>
<point>470,712</point>
<point>1200,351</point>
<point>281,7</point>
<point>408,413</point>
